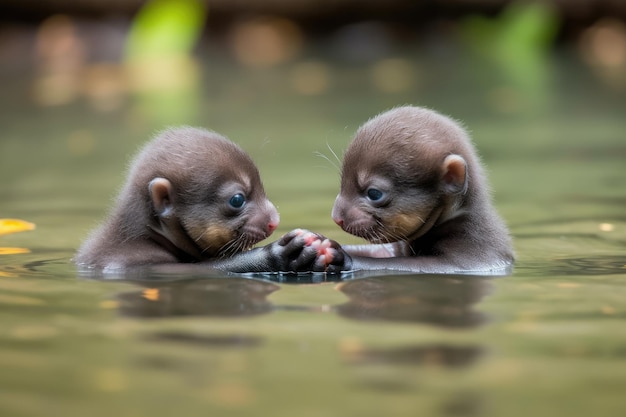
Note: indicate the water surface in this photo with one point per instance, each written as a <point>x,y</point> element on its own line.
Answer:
<point>547,341</point>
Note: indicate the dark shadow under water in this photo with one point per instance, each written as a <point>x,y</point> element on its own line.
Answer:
<point>440,300</point>
<point>444,301</point>
<point>217,297</point>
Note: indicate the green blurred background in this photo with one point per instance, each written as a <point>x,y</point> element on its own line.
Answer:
<point>541,86</point>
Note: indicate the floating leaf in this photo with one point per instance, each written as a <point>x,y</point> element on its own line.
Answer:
<point>151,294</point>
<point>13,251</point>
<point>14,225</point>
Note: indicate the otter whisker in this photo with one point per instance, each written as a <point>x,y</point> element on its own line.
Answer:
<point>201,236</point>
<point>234,246</point>
<point>333,152</point>
<point>321,155</point>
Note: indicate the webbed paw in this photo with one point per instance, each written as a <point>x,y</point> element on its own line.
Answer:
<point>309,251</point>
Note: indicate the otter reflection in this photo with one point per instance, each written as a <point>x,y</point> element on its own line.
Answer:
<point>220,297</point>
<point>441,300</point>
<point>428,354</point>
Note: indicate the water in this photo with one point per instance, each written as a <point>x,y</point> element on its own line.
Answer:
<point>547,341</point>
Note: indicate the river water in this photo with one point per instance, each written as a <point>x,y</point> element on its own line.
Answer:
<point>547,341</point>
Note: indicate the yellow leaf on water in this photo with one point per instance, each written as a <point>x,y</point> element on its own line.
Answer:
<point>14,225</point>
<point>13,251</point>
<point>151,294</point>
<point>6,274</point>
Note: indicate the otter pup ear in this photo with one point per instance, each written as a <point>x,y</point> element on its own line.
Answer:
<point>455,174</point>
<point>161,193</point>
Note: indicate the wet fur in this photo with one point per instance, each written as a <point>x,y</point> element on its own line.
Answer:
<point>441,216</point>
<point>197,163</point>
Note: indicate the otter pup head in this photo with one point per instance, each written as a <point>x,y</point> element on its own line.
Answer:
<point>204,194</point>
<point>405,171</point>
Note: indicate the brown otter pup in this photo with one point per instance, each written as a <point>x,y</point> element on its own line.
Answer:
<point>192,196</point>
<point>412,184</point>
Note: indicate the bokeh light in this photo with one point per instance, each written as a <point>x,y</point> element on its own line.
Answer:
<point>603,47</point>
<point>604,44</point>
<point>266,41</point>
<point>393,75</point>
<point>310,77</point>
<point>105,86</point>
<point>60,57</point>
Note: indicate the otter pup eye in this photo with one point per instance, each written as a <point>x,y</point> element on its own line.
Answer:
<point>374,194</point>
<point>237,201</point>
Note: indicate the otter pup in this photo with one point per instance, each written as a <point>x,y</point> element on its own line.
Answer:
<point>191,196</point>
<point>412,184</point>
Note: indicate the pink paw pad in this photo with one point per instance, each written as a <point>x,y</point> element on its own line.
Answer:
<point>310,238</point>
<point>326,258</point>
<point>325,253</point>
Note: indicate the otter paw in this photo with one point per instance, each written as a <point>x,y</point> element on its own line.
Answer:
<point>297,236</point>
<point>305,251</point>
<point>324,250</point>
<point>330,256</point>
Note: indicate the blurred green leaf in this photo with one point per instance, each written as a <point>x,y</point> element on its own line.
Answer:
<point>166,27</point>
<point>522,28</point>
<point>517,42</point>
<point>162,70</point>
<point>527,27</point>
